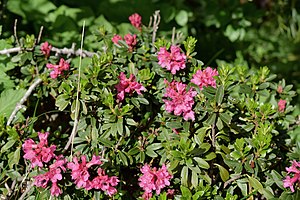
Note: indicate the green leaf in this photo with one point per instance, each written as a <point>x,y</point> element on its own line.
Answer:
<point>134,151</point>
<point>174,124</point>
<point>131,122</point>
<point>151,153</point>
<point>225,118</point>
<point>220,94</point>
<point>154,146</point>
<point>243,186</point>
<point>106,142</point>
<point>223,173</point>
<point>182,18</point>
<point>14,159</point>
<point>143,100</point>
<point>8,100</point>
<point>202,163</point>
<point>8,145</point>
<point>210,156</point>
<point>5,80</point>
<point>211,119</point>
<point>120,126</point>
<point>123,158</point>
<point>94,136</point>
<point>62,101</point>
<point>194,179</point>
<point>13,174</point>
<point>266,193</point>
<point>184,176</point>
<point>277,178</point>
<point>255,183</point>
<point>186,193</point>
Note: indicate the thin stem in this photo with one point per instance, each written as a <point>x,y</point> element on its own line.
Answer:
<point>40,34</point>
<point>26,191</point>
<point>15,32</point>
<point>74,130</point>
<point>156,21</point>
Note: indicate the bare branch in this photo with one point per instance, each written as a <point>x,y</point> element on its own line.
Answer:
<point>40,35</point>
<point>15,32</point>
<point>156,21</point>
<point>9,51</point>
<point>72,51</point>
<point>213,135</point>
<point>57,51</point>
<point>26,191</point>
<point>231,180</point>
<point>19,105</point>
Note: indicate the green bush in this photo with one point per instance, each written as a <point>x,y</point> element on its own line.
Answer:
<point>221,134</point>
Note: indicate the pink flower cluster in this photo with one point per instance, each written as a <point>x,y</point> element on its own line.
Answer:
<point>38,153</point>
<point>46,48</point>
<point>172,61</point>
<point>281,105</point>
<point>83,178</point>
<point>128,85</point>
<point>58,69</point>
<point>153,179</point>
<point>205,78</point>
<point>180,100</point>
<point>288,181</point>
<point>53,175</point>
<point>129,39</point>
<point>136,20</point>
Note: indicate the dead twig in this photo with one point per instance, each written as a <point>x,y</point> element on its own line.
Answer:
<point>26,191</point>
<point>9,51</point>
<point>19,105</point>
<point>57,51</point>
<point>40,35</point>
<point>156,21</point>
<point>79,52</point>
<point>231,180</point>
<point>15,33</point>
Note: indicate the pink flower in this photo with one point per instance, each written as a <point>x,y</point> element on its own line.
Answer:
<point>205,78</point>
<point>58,69</point>
<point>116,39</point>
<point>172,61</point>
<point>128,85</point>
<point>55,190</point>
<point>38,153</point>
<point>80,170</point>
<point>105,183</point>
<point>170,193</point>
<point>53,176</point>
<point>179,100</point>
<point>136,20</point>
<point>83,179</point>
<point>46,48</point>
<point>288,181</point>
<point>281,105</point>
<point>130,41</point>
<point>279,89</point>
<point>147,195</point>
<point>153,179</point>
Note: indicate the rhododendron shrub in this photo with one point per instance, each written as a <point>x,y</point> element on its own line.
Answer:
<point>139,116</point>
